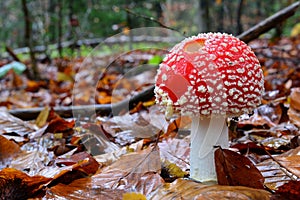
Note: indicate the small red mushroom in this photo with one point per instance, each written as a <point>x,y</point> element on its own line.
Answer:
<point>209,76</point>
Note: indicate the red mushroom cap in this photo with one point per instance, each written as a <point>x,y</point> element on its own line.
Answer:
<point>210,74</point>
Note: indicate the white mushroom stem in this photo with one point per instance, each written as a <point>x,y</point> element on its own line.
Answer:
<point>205,134</point>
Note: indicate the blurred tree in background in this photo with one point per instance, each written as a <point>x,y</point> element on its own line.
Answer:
<point>64,20</point>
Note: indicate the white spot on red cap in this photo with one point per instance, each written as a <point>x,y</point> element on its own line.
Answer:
<point>220,74</point>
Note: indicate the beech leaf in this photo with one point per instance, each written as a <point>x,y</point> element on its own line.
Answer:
<point>187,189</point>
<point>8,150</point>
<point>236,170</point>
<point>15,184</point>
<point>9,124</point>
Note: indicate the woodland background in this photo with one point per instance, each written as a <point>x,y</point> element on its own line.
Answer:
<point>78,120</point>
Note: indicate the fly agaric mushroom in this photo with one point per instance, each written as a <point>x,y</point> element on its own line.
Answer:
<point>209,76</point>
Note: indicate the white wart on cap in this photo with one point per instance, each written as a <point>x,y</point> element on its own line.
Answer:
<point>209,74</point>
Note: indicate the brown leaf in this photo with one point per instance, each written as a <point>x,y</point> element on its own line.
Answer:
<point>9,124</point>
<point>80,190</point>
<point>128,128</point>
<point>31,161</point>
<point>14,183</point>
<point>295,98</point>
<point>288,191</point>
<point>59,125</point>
<point>8,150</point>
<point>290,162</point>
<point>294,110</point>
<point>236,170</point>
<point>187,189</point>
<point>85,162</point>
<point>294,116</point>
<point>147,160</point>
<point>276,175</point>
<point>273,173</point>
<point>136,171</point>
<point>111,180</point>
<point>264,115</point>
<point>78,166</point>
<point>181,122</point>
<point>176,151</point>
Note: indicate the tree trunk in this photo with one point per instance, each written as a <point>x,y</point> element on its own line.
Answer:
<point>203,22</point>
<point>59,27</point>
<point>238,17</point>
<point>28,40</point>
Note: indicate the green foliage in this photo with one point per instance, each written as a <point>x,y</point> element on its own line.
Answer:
<point>155,60</point>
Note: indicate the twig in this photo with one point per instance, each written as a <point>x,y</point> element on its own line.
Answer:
<point>12,54</point>
<point>269,23</point>
<point>152,19</point>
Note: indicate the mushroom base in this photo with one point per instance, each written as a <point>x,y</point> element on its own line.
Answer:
<point>205,134</point>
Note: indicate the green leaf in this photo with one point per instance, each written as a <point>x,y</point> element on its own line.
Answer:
<point>155,60</point>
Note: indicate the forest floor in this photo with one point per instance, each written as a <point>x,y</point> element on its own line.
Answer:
<point>134,152</point>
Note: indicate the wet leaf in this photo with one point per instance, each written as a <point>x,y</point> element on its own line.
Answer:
<point>80,190</point>
<point>128,128</point>
<point>294,116</point>
<point>8,150</point>
<point>11,124</point>
<point>31,161</point>
<point>134,172</point>
<point>133,196</point>
<point>176,151</point>
<point>84,161</point>
<point>14,183</point>
<point>59,125</point>
<point>173,170</point>
<point>187,189</point>
<point>295,98</point>
<point>236,170</point>
<point>288,191</point>
<point>285,169</point>
<point>42,117</point>
<point>147,160</point>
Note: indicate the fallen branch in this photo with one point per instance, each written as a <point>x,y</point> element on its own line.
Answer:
<point>269,23</point>
<point>88,110</point>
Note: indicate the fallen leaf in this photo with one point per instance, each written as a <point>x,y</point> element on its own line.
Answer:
<point>133,196</point>
<point>59,125</point>
<point>80,190</point>
<point>128,128</point>
<point>172,170</point>
<point>176,151</point>
<point>188,189</point>
<point>288,191</point>
<point>236,170</point>
<point>85,162</point>
<point>295,98</point>
<point>277,174</point>
<point>108,184</point>
<point>147,160</point>
<point>9,124</point>
<point>8,150</point>
<point>15,184</point>
<point>41,120</point>
<point>294,116</point>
